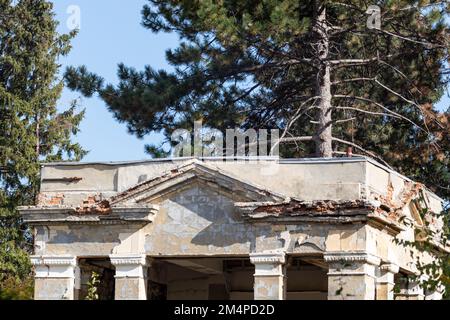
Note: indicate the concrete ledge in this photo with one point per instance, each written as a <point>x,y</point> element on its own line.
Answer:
<point>68,215</point>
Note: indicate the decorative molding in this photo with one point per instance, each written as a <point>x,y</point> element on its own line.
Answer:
<point>352,257</point>
<point>53,261</point>
<point>54,266</point>
<point>295,210</point>
<point>68,215</point>
<point>268,258</point>
<point>126,260</point>
<point>269,264</point>
<point>348,273</point>
<point>130,266</point>
<point>390,267</point>
<point>382,223</point>
<point>316,219</point>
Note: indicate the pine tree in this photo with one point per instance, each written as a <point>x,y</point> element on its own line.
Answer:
<point>31,128</point>
<point>320,71</point>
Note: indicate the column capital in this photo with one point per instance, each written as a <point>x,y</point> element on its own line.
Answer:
<point>129,265</point>
<point>351,256</point>
<point>62,260</point>
<point>389,267</point>
<point>268,258</point>
<point>128,259</point>
<point>62,266</point>
<point>351,275</point>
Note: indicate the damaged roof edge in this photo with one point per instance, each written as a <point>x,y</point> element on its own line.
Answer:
<point>266,158</point>
<point>280,160</point>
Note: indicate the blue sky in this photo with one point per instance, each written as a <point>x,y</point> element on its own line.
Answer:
<point>110,33</point>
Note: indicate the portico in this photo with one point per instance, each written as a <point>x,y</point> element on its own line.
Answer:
<point>216,229</point>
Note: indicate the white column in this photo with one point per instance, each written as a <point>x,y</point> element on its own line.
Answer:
<point>55,277</point>
<point>351,275</point>
<point>385,282</point>
<point>436,294</point>
<point>270,276</point>
<point>131,276</point>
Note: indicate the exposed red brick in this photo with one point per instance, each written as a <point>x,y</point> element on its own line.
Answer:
<point>393,208</point>
<point>47,200</point>
<point>297,207</point>
<point>91,206</point>
<point>54,201</point>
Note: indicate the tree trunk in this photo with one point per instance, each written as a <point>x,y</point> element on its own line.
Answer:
<point>38,135</point>
<point>323,137</point>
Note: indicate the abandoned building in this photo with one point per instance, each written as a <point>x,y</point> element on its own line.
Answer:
<point>218,229</point>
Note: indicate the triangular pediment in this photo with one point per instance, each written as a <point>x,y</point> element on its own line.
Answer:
<point>193,174</point>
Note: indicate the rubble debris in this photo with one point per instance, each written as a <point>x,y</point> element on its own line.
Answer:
<point>296,207</point>
<point>393,208</point>
<point>94,205</point>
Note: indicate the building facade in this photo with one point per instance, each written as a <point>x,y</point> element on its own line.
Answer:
<point>222,229</point>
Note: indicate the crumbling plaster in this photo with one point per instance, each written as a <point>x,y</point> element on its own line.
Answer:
<point>200,218</point>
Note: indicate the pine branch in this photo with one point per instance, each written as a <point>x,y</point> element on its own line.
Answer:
<point>352,80</point>
<point>335,121</point>
<point>428,45</point>
<point>297,115</point>
<point>368,112</point>
<point>382,107</point>
<point>310,138</point>
<point>408,101</point>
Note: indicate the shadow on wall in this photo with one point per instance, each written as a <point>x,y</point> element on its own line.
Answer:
<point>209,218</point>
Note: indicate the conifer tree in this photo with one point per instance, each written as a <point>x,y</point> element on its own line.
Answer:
<point>31,128</point>
<point>329,74</point>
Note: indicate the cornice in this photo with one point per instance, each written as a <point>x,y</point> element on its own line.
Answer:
<point>349,256</point>
<point>390,267</point>
<point>68,215</point>
<point>294,210</point>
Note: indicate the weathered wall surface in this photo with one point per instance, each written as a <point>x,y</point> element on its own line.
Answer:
<point>86,240</point>
<point>202,221</point>
<point>310,181</point>
<point>337,179</point>
<point>198,221</point>
<point>53,289</point>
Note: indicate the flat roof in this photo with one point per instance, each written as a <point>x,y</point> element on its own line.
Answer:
<point>280,160</point>
<point>267,158</point>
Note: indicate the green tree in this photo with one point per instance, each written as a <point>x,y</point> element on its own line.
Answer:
<point>317,70</point>
<point>31,128</point>
<point>270,63</point>
<point>329,74</point>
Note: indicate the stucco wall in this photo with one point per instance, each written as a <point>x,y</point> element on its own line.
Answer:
<point>198,221</point>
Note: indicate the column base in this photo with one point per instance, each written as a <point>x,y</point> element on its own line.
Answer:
<point>130,289</point>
